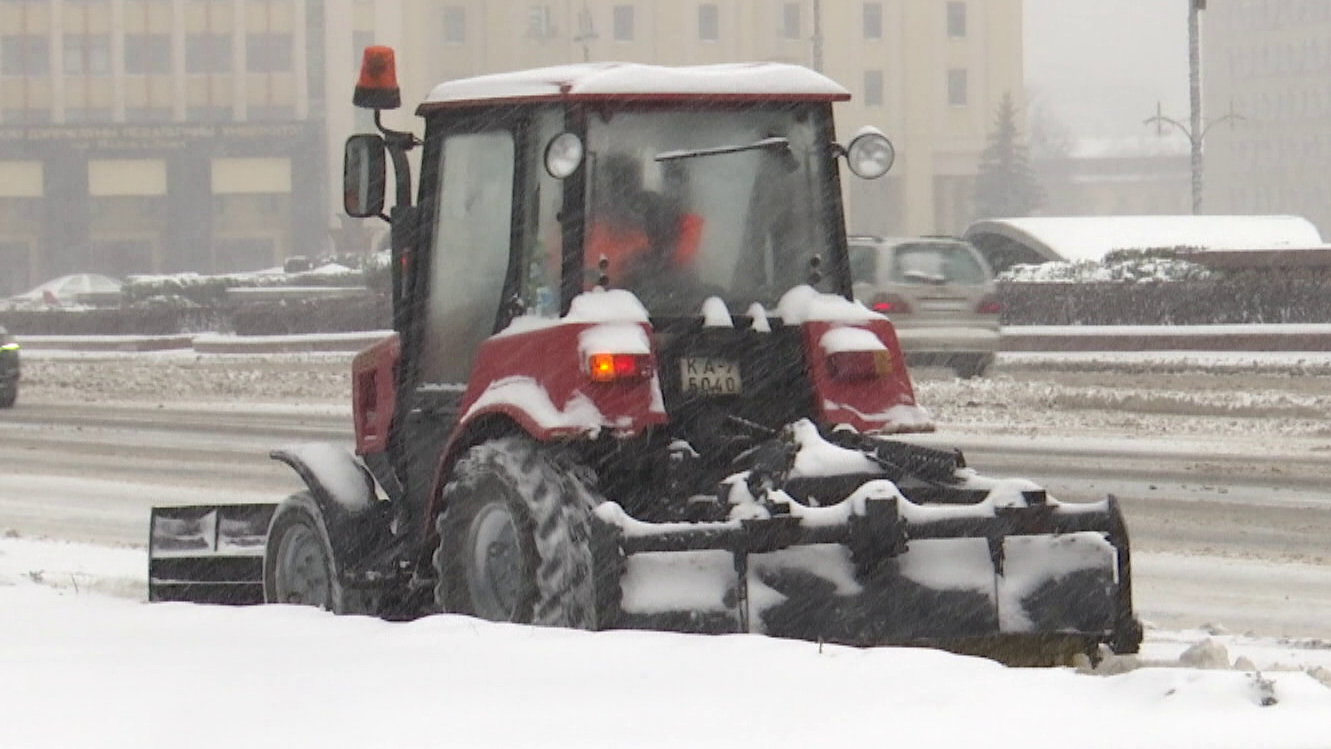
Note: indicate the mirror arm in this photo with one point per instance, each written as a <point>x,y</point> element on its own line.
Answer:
<point>398,143</point>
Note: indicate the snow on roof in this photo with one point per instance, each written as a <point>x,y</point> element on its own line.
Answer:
<point>603,79</point>
<point>1075,238</point>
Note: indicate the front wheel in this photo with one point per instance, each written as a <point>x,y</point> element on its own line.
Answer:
<point>514,538</point>
<point>298,563</point>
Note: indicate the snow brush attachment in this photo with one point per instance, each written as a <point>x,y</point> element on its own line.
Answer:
<point>877,543</point>
<point>211,554</point>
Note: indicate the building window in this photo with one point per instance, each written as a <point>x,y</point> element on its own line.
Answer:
<point>956,87</point>
<point>87,115</point>
<point>709,22</point>
<point>268,53</point>
<point>207,113</point>
<point>208,53</point>
<point>873,20</point>
<point>790,20</point>
<point>359,41</point>
<point>87,54</point>
<point>956,19</point>
<point>873,88</point>
<point>147,54</point>
<point>24,55</point>
<point>623,22</point>
<point>147,114</point>
<point>455,25</point>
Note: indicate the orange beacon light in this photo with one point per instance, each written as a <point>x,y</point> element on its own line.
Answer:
<point>377,87</point>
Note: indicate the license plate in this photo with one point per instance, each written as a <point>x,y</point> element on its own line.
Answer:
<point>710,376</point>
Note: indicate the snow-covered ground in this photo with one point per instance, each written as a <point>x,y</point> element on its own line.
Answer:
<point>84,662</point>
<point>83,668</point>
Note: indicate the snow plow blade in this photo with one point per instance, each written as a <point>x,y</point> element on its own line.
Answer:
<point>1030,585</point>
<point>208,554</point>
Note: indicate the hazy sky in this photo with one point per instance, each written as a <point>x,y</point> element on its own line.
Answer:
<point>1100,66</point>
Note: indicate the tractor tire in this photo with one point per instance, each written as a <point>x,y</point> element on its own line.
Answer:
<point>298,565</point>
<point>514,538</point>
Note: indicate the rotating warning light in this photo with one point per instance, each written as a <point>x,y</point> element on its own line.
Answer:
<point>377,87</point>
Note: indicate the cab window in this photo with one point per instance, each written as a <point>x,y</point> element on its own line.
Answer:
<point>471,251</point>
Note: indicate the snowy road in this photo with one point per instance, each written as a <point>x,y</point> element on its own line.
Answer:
<point>1222,476</point>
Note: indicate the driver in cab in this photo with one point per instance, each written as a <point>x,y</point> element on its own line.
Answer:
<point>639,239</point>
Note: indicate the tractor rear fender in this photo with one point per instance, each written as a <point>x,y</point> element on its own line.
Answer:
<point>343,491</point>
<point>470,433</point>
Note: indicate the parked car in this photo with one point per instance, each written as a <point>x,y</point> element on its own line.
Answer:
<point>77,288</point>
<point>940,295</point>
<point>9,369</point>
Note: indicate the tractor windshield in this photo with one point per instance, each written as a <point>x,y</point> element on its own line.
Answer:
<point>685,204</point>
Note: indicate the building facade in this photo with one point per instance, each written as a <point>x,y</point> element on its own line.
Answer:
<point>929,73</point>
<point>200,135</point>
<point>1269,63</point>
<point>149,136</point>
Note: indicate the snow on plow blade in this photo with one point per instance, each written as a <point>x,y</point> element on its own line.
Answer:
<point>208,554</point>
<point>1025,585</point>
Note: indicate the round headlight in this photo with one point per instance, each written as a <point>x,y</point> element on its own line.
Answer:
<point>563,155</point>
<point>870,155</point>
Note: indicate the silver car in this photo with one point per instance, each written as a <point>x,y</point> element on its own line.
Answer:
<point>939,293</point>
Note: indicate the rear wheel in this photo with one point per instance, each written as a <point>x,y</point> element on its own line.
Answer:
<point>513,538</point>
<point>8,396</point>
<point>298,559</point>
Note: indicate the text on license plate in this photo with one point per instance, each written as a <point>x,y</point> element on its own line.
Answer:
<point>709,376</point>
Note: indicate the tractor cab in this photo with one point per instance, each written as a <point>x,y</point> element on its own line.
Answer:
<point>678,185</point>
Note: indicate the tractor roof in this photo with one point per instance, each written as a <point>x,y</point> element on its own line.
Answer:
<point>621,81</point>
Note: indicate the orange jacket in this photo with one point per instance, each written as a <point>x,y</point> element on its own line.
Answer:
<point>620,247</point>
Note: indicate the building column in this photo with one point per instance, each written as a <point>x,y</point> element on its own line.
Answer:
<point>189,213</point>
<point>179,89</point>
<point>57,63</point>
<point>300,62</point>
<point>118,60</point>
<point>67,208</point>
<point>240,105</point>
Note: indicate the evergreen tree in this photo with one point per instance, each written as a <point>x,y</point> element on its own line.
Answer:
<point>1006,186</point>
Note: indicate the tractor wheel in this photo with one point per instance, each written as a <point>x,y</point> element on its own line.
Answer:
<point>298,558</point>
<point>514,538</point>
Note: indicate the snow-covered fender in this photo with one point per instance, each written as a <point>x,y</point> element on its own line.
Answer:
<point>344,492</point>
<point>878,399</point>
<point>541,380</point>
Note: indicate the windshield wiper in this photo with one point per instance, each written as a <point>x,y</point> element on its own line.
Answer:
<point>776,143</point>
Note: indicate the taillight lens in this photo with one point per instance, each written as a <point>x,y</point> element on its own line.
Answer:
<point>616,367</point>
<point>859,365</point>
<point>890,304</point>
<point>989,306</point>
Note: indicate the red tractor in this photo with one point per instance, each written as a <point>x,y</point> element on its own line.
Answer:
<point>628,388</point>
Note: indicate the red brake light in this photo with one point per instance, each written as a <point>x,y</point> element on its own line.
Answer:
<point>890,303</point>
<point>615,367</point>
<point>989,306</point>
<point>859,365</point>
<point>377,86</point>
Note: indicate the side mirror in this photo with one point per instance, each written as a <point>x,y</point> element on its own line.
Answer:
<point>363,176</point>
<point>870,154</point>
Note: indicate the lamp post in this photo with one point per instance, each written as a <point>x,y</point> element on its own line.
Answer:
<point>1195,130</point>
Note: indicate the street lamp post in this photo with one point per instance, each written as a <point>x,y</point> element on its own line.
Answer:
<point>1195,130</point>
